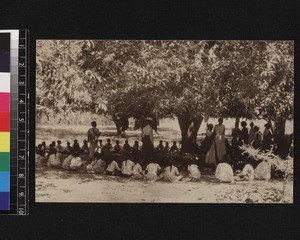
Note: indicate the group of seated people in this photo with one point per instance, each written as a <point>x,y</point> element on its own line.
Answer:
<point>125,161</point>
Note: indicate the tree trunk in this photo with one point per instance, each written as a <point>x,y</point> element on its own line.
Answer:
<point>118,124</point>
<point>189,128</point>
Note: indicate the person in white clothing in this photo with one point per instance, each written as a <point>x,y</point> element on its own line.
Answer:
<point>152,171</point>
<point>127,168</point>
<point>246,175</point>
<point>224,173</point>
<point>194,172</point>
<point>171,173</point>
<point>137,171</point>
<point>113,168</point>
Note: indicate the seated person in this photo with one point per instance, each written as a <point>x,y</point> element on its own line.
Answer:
<point>127,168</point>
<point>171,173</point>
<point>137,171</point>
<point>160,146</point>
<point>224,172</point>
<point>117,147</point>
<point>44,147</point>
<point>126,146</point>
<point>263,171</point>
<point>40,155</point>
<point>152,171</point>
<point>136,145</point>
<point>194,173</point>
<point>98,152</point>
<point>76,161</point>
<point>68,149</point>
<point>113,168</point>
<point>167,148</point>
<point>54,159</point>
<point>97,166</point>
<point>100,144</point>
<point>53,144</point>
<point>107,147</point>
<point>59,147</point>
<point>67,162</point>
<point>174,147</point>
<point>73,154</point>
<point>246,175</point>
<point>85,147</point>
<point>76,147</point>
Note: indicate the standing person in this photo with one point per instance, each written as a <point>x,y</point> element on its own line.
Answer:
<point>136,153</point>
<point>209,146</point>
<point>251,137</point>
<point>244,133</point>
<point>236,131</point>
<point>267,137</point>
<point>256,143</point>
<point>59,149</point>
<point>92,137</point>
<point>220,144</point>
<point>147,139</point>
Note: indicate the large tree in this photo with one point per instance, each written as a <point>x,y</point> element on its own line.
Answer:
<point>187,79</point>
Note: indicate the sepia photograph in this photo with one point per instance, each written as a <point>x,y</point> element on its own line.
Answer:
<point>164,121</point>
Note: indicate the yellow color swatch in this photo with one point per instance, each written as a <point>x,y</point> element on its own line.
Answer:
<point>4,142</point>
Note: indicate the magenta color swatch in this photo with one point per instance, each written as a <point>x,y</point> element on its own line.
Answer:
<point>4,102</point>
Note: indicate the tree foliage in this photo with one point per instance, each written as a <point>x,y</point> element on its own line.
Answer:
<point>253,79</point>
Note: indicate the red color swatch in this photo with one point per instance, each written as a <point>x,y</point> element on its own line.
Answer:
<point>4,122</point>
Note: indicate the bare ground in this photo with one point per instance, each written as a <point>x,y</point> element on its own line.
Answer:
<point>55,185</point>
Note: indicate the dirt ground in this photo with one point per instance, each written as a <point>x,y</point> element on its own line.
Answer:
<point>57,185</point>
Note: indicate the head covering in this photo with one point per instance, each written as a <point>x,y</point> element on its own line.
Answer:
<point>149,119</point>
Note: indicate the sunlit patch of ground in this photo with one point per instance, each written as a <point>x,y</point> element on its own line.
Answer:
<point>55,185</point>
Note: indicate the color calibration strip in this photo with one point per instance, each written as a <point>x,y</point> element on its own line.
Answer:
<point>5,89</point>
<point>13,122</point>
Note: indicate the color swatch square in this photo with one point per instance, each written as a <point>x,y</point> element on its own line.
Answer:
<point>4,102</point>
<point>4,181</point>
<point>4,142</point>
<point>4,162</point>
<point>4,201</point>
<point>4,52</point>
<point>4,122</point>
<point>4,82</point>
